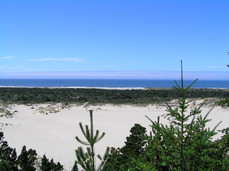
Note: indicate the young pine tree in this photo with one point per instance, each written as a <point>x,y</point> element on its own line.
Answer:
<point>26,160</point>
<point>185,144</point>
<point>86,159</point>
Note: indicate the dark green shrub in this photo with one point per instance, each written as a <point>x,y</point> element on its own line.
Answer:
<point>224,102</point>
<point>26,160</point>
<point>75,167</point>
<point>8,156</point>
<point>47,165</point>
<point>121,159</point>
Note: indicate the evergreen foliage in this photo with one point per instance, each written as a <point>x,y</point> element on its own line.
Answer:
<point>47,165</point>
<point>86,159</point>
<point>135,143</point>
<point>26,160</point>
<point>8,156</point>
<point>134,147</point>
<point>9,161</point>
<point>184,144</point>
<point>75,167</point>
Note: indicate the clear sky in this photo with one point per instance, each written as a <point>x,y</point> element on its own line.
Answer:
<point>114,38</point>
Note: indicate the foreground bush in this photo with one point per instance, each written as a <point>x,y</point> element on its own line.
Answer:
<point>9,161</point>
<point>183,145</point>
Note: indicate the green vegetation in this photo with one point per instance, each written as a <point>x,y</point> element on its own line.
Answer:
<point>8,156</point>
<point>179,146</point>
<point>47,165</point>
<point>224,102</point>
<point>65,95</point>
<point>122,159</point>
<point>87,159</point>
<point>26,161</point>
<point>184,144</point>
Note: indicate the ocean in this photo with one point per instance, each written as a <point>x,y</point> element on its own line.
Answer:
<point>109,83</point>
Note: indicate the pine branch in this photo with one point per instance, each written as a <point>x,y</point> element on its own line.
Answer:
<point>87,159</point>
<point>81,141</point>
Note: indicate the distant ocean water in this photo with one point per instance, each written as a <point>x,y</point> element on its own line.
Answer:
<point>108,83</point>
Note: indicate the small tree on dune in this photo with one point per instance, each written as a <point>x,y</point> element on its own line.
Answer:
<point>184,144</point>
<point>87,159</point>
<point>26,160</point>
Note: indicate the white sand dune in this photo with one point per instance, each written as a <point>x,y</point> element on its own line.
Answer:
<point>54,134</point>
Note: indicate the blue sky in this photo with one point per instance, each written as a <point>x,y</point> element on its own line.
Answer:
<point>114,39</point>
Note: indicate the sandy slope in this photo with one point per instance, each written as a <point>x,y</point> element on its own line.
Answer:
<point>54,134</point>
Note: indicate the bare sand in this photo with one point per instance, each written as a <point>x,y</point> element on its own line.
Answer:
<point>51,130</point>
